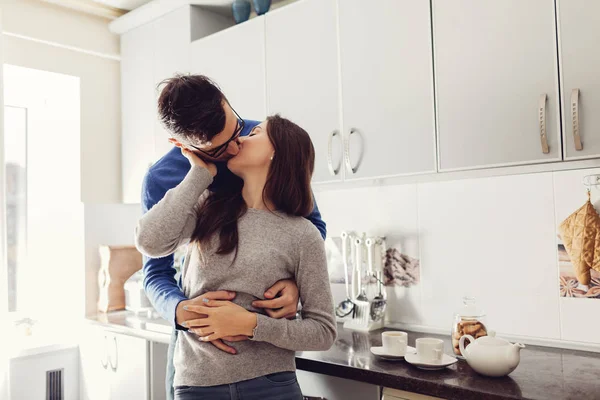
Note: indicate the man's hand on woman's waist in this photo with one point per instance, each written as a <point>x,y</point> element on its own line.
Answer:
<point>282,302</point>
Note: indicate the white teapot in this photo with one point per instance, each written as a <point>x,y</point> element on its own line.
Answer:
<point>491,356</point>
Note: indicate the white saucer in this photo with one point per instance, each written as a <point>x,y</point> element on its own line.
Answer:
<point>378,351</point>
<point>446,361</point>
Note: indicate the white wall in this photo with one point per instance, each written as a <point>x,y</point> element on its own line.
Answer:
<point>49,22</point>
<point>493,238</point>
<point>33,33</point>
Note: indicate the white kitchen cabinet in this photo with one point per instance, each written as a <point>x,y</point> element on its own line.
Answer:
<point>235,59</point>
<point>113,366</point>
<point>171,56</point>
<point>151,53</point>
<point>158,370</point>
<point>334,388</point>
<point>128,360</point>
<point>579,35</point>
<point>387,86</point>
<point>495,63</point>
<point>303,76</point>
<point>95,371</point>
<point>394,394</point>
<point>138,109</point>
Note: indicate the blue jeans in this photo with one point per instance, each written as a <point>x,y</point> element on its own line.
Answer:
<point>279,386</point>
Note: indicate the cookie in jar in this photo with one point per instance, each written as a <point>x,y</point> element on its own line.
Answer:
<point>469,320</point>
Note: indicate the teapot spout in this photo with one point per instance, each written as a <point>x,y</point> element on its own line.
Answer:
<point>514,353</point>
<point>518,347</point>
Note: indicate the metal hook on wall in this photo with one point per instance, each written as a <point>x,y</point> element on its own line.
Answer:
<point>590,181</point>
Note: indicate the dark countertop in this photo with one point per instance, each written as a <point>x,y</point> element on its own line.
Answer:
<point>543,374</point>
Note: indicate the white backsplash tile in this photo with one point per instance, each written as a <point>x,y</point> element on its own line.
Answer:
<point>379,210</point>
<point>404,304</point>
<point>493,239</point>
<point>579,320</point>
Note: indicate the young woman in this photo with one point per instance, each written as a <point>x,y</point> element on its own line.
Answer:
<point>244,237</point>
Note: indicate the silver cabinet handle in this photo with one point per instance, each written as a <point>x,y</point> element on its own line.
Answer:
<point>575,119</point>
<point>333,171</point>
<point>116,364</point>
<point>542,120</point>
<point>349,166</point>
<point>104,360</point>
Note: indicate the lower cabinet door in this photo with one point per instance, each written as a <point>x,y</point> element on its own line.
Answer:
<point>333,388</point>
<point>158,370</point>
<point>128,360</point>
<point>395,394</point>
<point>94,376</point>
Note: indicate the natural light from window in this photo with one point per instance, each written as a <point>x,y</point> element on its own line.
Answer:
<point>44,233</point>
<point>15,158</point>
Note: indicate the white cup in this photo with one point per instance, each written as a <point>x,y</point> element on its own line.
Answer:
<point>430,350</point>
<point>394,342</point>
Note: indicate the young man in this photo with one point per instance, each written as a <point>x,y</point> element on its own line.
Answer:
<point>200,119</point>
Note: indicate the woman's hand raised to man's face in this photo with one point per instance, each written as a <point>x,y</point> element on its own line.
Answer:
<point>197,161</point>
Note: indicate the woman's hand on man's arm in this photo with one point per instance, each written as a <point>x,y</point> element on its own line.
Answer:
<point>223,319</point>
<point>231,322</point>
<point>182,315</point>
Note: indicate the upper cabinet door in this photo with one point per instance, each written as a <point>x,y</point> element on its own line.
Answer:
<point>579,36</point>
<point>138,109</point>
<point>387,86</point>
<point>302,76</point>
<point>235,60</point>
<point>496,82</point>
<point>171,56</point>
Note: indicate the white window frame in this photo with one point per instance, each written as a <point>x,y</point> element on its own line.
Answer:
<point>3,259</point>
<point>11,314</point>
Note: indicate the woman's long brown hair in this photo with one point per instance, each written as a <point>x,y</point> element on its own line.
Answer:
<point>287,186</point>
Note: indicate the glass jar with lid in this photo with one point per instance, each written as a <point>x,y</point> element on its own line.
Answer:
<point>469,320</point>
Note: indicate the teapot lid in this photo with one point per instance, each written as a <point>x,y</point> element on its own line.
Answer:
<point>469,308</point>
<point>491,340</point>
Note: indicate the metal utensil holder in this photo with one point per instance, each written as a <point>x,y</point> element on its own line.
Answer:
<point>369,310</point>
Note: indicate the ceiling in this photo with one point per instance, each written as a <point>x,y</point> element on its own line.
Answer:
<point>123,4</point>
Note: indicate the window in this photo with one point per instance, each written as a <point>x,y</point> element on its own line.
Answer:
<point>15,158</point>
<point>44,232</point>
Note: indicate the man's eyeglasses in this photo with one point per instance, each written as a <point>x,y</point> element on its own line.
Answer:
<point>219,150</point>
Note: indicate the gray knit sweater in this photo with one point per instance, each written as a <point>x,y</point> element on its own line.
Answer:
<point>272,247</point>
